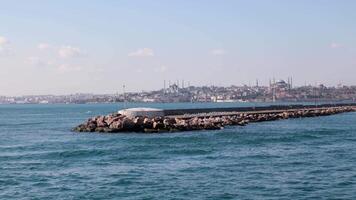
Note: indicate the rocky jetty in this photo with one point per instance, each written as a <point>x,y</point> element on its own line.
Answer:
<point>114,123</point>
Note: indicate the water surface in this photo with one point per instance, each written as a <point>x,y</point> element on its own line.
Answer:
<point>40,158</point>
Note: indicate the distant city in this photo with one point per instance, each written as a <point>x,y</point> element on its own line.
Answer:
<point>276,91</point>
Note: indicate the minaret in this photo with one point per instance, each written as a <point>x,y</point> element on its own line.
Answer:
<point>290,83</point>
<point>164,86</point>
<point>270,84</point>
<point>124,91</point>
<point>274,90</point>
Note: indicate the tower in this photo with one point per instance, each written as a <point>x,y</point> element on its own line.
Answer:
<point>164,86</point>
<point>274,90</point>
<point>291,82</point>
<point>124,91</point>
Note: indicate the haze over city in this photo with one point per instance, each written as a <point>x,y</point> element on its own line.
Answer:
<point>63,47</point>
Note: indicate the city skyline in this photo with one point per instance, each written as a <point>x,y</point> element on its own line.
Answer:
<point>276,91</point>
<point>66,47</point>
<point>121,89</point>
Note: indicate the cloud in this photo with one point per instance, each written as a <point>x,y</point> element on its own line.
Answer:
<point>139,70</point>
<point>3,41</point>
<point>3,50</point>
<point>161,68</point>
<point>41,63</point>
<point>43,46</point>
<point>143,52</point>
<point>69,52</point>
<point>218,52</point>
<point>335,45</point>
<point>68,68</point>
<point>37,62</point>
<point>4,47</point>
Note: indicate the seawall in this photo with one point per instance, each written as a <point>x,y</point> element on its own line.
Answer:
<point>204,119</point>
<point>173,112</point>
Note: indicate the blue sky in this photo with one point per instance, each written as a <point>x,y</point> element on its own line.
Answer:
<point>61,47</point>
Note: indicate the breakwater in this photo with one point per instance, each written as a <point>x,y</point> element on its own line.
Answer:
<point>205,119</point>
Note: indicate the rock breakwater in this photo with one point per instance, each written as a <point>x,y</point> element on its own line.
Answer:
<point>114,123</point>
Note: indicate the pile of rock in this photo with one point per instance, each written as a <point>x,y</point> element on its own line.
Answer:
<point>120,123</point>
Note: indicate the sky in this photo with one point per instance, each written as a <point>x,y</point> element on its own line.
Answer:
<point>94,46</point>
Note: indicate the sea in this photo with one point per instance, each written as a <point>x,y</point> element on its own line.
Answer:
<point>41,158</point>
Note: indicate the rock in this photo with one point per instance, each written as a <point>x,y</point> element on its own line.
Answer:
<point>226,121</point>
<point>108,119</point>
<point>150,130</point>
<point>100,122</point>
<point>147,123</point>
<point>99,129</point>
<point>158,125</point>
<point>261,118</point>
<point>108,130</point>
<point>194,123</point>
<point>181,124</point>
<point>285,115</point>
<point>169,122</point>
<point>127,124</point>
<point>118,125</point>
<point>93,119</point>
<point>80,128</point>
<point>139,121</point>
<point>91,127</point>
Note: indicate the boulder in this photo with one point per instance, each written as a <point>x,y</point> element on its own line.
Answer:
<point>139,121</point>
<point>100,122</point>
<point>158,125</point>
<point>127,124</point>
<point>118,125</point>
<point>99,129</point>
<point>169,122</point>
<point>91,127</point>
<point>147,123</point>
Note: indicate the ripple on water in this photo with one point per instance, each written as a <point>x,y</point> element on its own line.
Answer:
<point>40,158</point>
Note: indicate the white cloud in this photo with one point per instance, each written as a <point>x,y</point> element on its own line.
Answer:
<point>161,68</point>
<point>43,46</point>
<point>3,50</point>
<point>218,52</point>
<point>335,45</point>
<point>69,52</point>
<point>143,52</point>
<point>68,68</point>
<point>37,62</point>
<point>4,47</point>
<point>139,70</point>
<point>3,41</point>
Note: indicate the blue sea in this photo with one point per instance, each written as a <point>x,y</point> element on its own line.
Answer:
<point>40,158</point>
